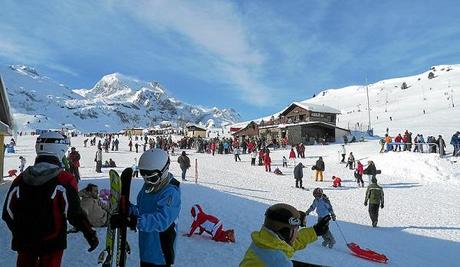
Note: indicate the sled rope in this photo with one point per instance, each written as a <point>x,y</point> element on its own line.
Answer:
<point>340,230</point>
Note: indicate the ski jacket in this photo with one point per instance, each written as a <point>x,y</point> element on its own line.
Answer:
<point>343,150</point>
<point>254,154</point>
<point>298,171</point>
<point>370,170</point>
<point>74,158</point>
<point>94,208</point>
<point>320,165</point>
<point>398,139</point>
<point>205,222</point>
<point>360,168</point>
<point>374,194</point>
<point>158,214</point>
<point>184,162</point>
<point>292,154</point>
<point>268,250</point>
<point>322,205</point>
<point>37,207</point>
<point>267,159</point>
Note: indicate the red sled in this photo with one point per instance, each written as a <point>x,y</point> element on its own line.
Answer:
<point>367,253</point>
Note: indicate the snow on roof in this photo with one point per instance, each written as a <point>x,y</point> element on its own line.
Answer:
<point>314,107</point>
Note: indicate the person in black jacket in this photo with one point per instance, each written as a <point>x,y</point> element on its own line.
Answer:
<point>371,170</point>
<point>298,175</point>
<point>39,203</point>
<point>319,167</point>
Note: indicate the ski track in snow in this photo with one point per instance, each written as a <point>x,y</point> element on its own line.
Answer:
<point>419,225</point>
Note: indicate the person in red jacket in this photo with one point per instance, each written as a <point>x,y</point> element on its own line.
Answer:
<point>292,156</point>
<point>261,156</point>
<point>267,161</point>
<point>359,173</point>
<point>398,140</point>
<point>336,181</point>
<point>213,148</point>
<point>39,203</point>
<point>209,224</point>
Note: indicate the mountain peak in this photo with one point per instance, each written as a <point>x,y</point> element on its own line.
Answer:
<point>25,70</point>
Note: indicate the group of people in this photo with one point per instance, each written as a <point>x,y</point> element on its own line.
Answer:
<point>405,142</point>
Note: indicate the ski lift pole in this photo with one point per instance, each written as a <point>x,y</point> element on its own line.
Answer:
<point>340,230</point>
<point>196,171</point>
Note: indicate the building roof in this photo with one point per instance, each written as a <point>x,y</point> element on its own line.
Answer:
<point>245,127</point>
<point>198,127</point>
<point>313,107</point>
<point>6,119</point>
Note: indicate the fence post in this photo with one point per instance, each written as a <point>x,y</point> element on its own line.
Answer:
<point>196,171</point>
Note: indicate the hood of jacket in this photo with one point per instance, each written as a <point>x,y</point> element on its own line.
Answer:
<point>40,173</point>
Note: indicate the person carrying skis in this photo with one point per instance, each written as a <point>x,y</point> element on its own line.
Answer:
<point>39,203</point>
<point>323,208</point>
<point>298,175</point>
<point>374,195</point>
<point>157,210</point>
<point>282,234</point>
<point>209,224</point>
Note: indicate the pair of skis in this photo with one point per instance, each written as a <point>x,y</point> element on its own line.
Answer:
<point>118,203</point>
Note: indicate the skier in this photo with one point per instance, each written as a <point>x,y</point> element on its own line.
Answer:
<point>323,208</point>
<point>350,161</point>
<point>319,168</point>
<point>343,153</point>
<point>184,163</point>
<point>22,164</point>
<point>374,195</point>
<point>279,238</point>
<point>39,203</point>
<point>156,212</point>
<point>371,170</point>
<point>359,173</point>
<point>298,175</point>
<point>209,224</point>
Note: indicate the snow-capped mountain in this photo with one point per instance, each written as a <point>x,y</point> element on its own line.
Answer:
<point>115,102</point>
<point>426,103</point>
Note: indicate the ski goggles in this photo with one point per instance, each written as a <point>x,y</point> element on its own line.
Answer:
<point>154,176</point>
<point>294,221</point>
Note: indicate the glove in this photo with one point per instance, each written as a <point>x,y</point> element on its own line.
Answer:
<point>381,206</point>
<point>365,203</point>
<point>333,216</point>
<point>117,220</point>
<point>92,240</point>
<point>322,226</point>
<point>303,221</point>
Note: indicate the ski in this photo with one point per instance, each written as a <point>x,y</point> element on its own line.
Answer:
<point>123,247</point>
<point>106,257</point>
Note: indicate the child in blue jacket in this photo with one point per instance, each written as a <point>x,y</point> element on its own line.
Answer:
<point>323,208</point>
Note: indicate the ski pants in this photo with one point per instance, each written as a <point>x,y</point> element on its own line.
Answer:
<point>268,167</point>
<point>327,237</point>
<point>221,235</point>
<point>360,180</point>
<point>374,212</point>
<point>253,161</point>
<point>320,174</point>
<point>184,172</point>
<point>29,259</point>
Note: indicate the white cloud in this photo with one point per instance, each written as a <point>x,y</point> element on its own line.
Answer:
<point>216,29</point>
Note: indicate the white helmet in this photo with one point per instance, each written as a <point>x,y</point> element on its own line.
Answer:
<point>154,168</point>
<point>52,144</point>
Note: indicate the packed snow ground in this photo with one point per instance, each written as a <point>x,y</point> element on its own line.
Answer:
<point>419,226</point>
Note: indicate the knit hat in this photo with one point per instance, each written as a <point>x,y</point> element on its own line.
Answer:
<point>281,216</point>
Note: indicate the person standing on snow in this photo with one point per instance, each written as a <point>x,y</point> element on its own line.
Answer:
<point>371,170</point>
<point>359,173</point>
<point>343,152</point>
<point>253,157</point>
<point>236,153</point>
<point>98,160</point>
<point>280,237</point>
<point>74,162</point>
<point>323,208</point>
<point>157,210</point>
<point>319,168</point>
<point>375,196</point>
<point>267,161</point>
<point>39,203</point>
<point>351,161</point>
<point>184,163</point>
<point>292,156</point>
<point>298,175</point>
<point>442,146</point>
<point>455,142</point>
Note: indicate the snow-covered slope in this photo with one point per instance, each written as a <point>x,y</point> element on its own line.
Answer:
<point>115,102</point>
<point>425,106</point>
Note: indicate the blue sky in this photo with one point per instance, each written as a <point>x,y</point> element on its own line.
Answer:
<point>255,56</point>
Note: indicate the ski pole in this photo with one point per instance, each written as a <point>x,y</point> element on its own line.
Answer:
<point>340,230</point>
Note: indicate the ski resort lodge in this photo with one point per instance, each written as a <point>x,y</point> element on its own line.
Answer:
<point>300,122</point>
<point>6,123</point>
